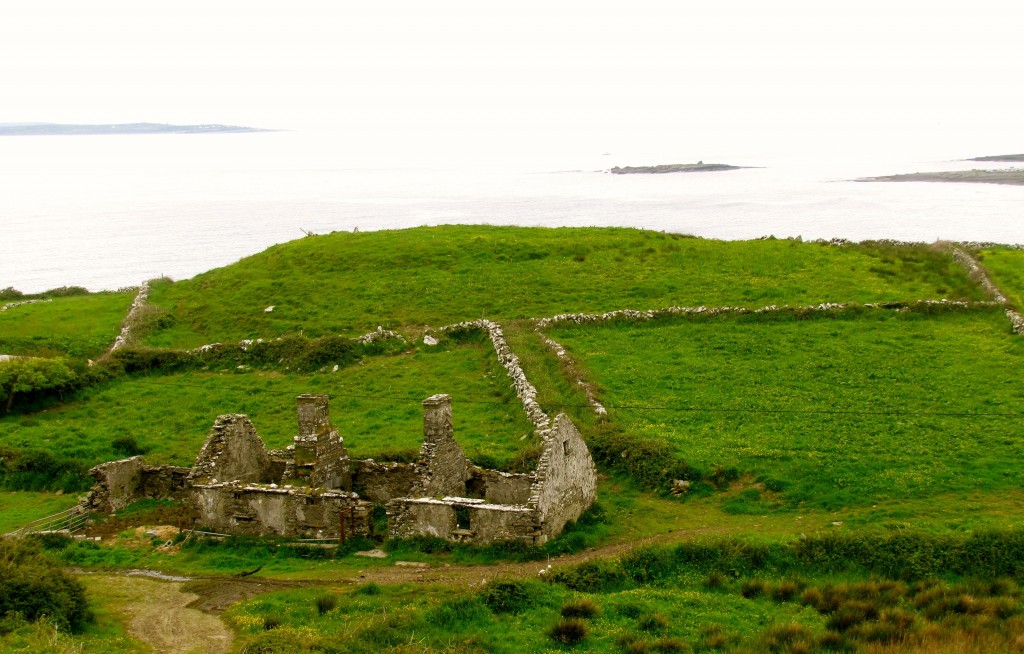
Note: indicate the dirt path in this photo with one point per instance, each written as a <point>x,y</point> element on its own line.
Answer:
<point>159,614</point>
<point>215,594</point>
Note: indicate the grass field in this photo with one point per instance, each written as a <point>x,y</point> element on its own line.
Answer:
<point>1007,270</point>
<point>350,283</point>
<point>20,507</point>
<point>376,406</point>
<point>79,326</point>
<point>828,412</point>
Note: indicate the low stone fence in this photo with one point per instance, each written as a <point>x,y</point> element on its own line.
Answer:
<point>11,305</point>
<point>132,318</point>
<point>525,391</point>
<point>980,275</point>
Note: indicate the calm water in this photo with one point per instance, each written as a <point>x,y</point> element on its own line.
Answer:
<point>106,212</point>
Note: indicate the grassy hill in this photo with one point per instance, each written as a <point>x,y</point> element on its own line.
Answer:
<point>344,283</point>
<point>841,460</point>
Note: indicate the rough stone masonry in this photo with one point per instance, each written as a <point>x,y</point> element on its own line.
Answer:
<point>312,489</point>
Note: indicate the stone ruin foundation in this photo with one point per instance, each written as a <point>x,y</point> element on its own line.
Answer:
<point>313,490</point>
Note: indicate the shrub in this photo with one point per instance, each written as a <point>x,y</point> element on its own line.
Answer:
<point>591,576</point>
<point>10,293</point>
<point>25,376</point>
<point>33,586</point>
<point>128,446</point>
<point>507,596</point>
<point>569,631</point>
<point>325,603</point>
<point>581,608</point>
<point>368,589</point>
<point>271,622</point>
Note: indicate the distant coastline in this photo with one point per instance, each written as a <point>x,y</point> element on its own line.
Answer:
<point>1013,176</point>
<point>55,129</point>
<point>699,167</point>
<point>1000,157</point>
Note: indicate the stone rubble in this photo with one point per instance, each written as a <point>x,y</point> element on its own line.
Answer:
<point>11,305</point>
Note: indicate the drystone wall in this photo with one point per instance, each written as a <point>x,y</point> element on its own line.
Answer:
<point>525,391</point>
<point>980,275</point>
<point>130,320</point>
<point>11,305</point>
<point>569,366</point>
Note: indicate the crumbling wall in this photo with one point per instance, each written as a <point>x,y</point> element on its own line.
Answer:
<point>382,482</point>
<point>258,510</point>
<point>566,483</point>
<point>442,468</point>
<point>481,522</point>
<point>165,482</point>
<point>233,452</point>
<point>118,484</point>
<point>319,449</point>
<point>500,487</point>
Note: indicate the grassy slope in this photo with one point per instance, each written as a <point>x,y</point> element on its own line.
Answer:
<point>376,407</point>
<point>81,326</point>
<point>350,283</point>
<point>1007,270</point>
<point>18,508</point>
<point>882,362</point>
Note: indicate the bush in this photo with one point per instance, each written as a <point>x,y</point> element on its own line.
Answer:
<point>368,589</point>
<point>33,586</point>
<point>507,596</point>
<point>326,603</point>
<point>591,577</point>
<point>25,376</point>
<point>10,293</point>
<point>582,608</point>
<point>128,446</point>
<point>569,631</point>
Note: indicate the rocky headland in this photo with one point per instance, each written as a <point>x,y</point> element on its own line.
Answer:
<point>699,167</point>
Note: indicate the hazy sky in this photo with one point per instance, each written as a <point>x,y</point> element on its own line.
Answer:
<point>521,72</point>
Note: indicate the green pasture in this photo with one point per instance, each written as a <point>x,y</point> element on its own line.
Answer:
<point>375,404</point>
<point>78,326</point>
<point>1006,268</point>
<point>18,508</point>
<point>349,283</point>
<point>849,410</point>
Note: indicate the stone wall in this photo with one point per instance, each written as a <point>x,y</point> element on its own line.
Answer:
<point>499,487</point>
<point>382,482</point>
<point>481,522</point>
<point>233,452</point>
<point>120,483</point>
<point>267,510</point>
<point>566,483</point>
<point>165,482</point>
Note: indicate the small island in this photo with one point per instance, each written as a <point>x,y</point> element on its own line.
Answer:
<point>55,129</point>
<point>1013,176</point>
<point>699,167</point>
<point>1009,158</point>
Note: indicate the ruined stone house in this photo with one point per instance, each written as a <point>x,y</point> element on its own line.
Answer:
<point>313,489</point>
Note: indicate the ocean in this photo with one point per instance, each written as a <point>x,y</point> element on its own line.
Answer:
<point>106,212</point>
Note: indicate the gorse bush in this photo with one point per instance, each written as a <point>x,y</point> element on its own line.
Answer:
<point>509,595</point>
<point>33,586</point>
